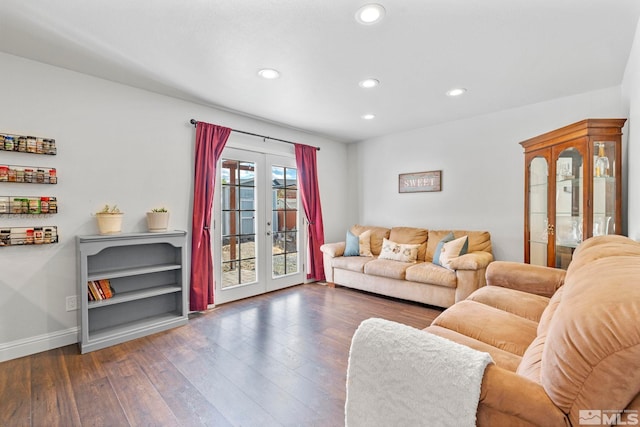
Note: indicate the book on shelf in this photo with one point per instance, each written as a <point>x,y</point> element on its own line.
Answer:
<point>99,289</point>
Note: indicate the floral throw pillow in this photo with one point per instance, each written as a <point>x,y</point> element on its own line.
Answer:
<point>398,251</point>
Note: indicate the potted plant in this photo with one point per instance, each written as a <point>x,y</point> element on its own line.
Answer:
<point>158,220</point>
<point>109,220</point>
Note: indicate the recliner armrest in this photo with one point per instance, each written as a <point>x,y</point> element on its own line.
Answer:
<point>534,279</point>
<point>506,396</point>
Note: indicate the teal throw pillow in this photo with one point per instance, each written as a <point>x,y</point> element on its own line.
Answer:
<point>352,247</point>
<point>436,256</point>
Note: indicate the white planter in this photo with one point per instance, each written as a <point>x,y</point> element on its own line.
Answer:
<point>109,223</point>
<point>157,222</point>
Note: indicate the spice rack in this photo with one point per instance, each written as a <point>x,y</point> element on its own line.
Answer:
<point>28,144</point>
<point>28,174</point>
<point>30,206</point>
<point>19,236</point>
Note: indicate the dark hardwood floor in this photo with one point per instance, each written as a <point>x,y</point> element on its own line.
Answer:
<point>275,360</point>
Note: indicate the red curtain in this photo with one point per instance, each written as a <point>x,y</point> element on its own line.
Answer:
<point>210,141</point>
<point>310,195</point>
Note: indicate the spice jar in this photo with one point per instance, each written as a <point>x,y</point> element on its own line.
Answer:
<point>29,238</point>
<point>47,235</point>
<point>28,175</point>
<point>39,146</point>
<point>11,176</point>
<point>44,205</point>
<point>52,147</point>
<point>34,206</point>
<point>38,235</point>
<point>4,205</point>
<point>19,175</point>
<point>8,143</point>
<point>40,176</point>
<point>31,144</point>
<point>4,173</point>
<point>53,176</point>
<point>22,144</point>
<point>53,205</point>
<point>5,237</point>
<point>16,206</point>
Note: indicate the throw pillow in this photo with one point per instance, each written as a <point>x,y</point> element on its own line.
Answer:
<point>398,251</point>
<point>365,243</point>
<point>436,255</point>
<point>452,250</point>
<point>358,245</point>
<point>352,247</point>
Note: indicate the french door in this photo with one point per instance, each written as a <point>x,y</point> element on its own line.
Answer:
<point>258,237</point>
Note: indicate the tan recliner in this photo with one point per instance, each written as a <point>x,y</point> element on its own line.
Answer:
<point>566,345</point>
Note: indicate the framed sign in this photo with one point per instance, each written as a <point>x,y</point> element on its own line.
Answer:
<point>420,181</point>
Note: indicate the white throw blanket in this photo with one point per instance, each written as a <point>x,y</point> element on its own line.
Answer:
<point>402,376</point>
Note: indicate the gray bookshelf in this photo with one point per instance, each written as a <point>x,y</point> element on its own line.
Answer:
<point>147,271</point>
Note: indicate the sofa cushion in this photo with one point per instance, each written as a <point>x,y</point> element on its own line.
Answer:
<point>490,325</point>
<point>523,304</point>
<point>377,234</point>
<point>411,236</point>
<point>352,263</point>
<point>501,358</point>
<point>399,251</point>
<point>387,268</point>
<point>426,272</point>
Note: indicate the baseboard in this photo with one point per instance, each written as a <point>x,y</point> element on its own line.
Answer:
<point>37,344</point>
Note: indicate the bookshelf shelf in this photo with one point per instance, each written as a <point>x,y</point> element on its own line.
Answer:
<point>124,272</point>
<point>147,274</point>
<point>134,295</point>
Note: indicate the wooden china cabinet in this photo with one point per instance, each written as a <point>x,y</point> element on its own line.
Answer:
<point>573,189</point>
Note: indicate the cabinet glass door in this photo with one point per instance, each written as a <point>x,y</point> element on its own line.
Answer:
<point>569,205</point>
<point>604,188</point>
<point>538,211</point>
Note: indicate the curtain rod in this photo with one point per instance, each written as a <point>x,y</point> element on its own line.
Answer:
<point>195,122</point>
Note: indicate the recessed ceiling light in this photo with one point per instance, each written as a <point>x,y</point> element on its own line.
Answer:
<point>369,116</point>
<point>370,14</point>
<point>456,91</point>
<point>369,83</point>
<point>269,73</point>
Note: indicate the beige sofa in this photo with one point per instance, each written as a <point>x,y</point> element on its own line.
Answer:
<point>566,345</point>
<point>421,281</point>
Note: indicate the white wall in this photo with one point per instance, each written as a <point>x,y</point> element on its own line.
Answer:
<point>482,167</point>
<point>116,144</point>
<point>631,94</point>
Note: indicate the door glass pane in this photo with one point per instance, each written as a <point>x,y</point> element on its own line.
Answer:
<point>569,209</point>
<point>538,216</point>
<point>238,216</point>
<point>284,207</point>
<point>604,188</point>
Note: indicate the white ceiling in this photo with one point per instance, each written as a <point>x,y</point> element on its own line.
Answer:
<point>507,53</point>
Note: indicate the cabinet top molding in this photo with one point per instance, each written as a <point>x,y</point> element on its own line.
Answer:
<point>583,128</point>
